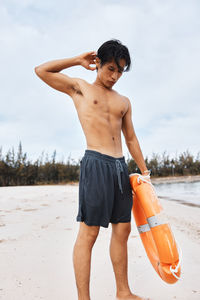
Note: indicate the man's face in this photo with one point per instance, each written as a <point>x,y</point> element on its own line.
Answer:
<point>110,73</point>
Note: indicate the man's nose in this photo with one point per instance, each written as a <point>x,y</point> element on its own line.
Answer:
<point>114,76</point>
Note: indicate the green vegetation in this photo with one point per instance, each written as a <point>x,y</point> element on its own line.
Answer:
<point>162,165</point>
<point>16,169</point>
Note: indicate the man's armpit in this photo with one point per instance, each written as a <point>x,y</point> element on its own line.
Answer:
<point>77,90</point>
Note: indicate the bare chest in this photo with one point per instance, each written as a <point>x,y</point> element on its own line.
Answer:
<point>103,106</point>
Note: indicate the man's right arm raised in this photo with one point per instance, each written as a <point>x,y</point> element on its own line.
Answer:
<point>49,72</point>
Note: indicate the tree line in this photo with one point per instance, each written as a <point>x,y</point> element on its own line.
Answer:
<point>17,169</point>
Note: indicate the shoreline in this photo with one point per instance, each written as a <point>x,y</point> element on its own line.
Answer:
<point>158,180</point>
<point>172,179</point>
<point>154,180</point>
<point>179,201</point>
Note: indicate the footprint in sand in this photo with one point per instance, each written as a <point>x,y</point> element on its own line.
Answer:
<point>2,241</point>
<point>30,209</point>
<point>44,226</point>
<point>18,208</point>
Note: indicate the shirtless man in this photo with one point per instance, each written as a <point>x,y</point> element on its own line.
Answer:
<point>105,194</point>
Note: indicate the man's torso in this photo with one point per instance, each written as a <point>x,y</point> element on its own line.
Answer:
<point>100,112</point>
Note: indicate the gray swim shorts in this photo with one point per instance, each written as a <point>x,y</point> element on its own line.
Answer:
<point>105,193</point>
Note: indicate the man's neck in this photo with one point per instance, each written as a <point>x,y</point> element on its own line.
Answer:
<point>98,83</point>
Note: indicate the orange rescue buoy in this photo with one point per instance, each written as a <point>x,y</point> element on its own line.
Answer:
<point>156,234</point>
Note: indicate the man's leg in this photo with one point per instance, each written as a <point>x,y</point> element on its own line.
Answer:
<point>118,255</point>
<point>119,258</point>
<point>82,258</point>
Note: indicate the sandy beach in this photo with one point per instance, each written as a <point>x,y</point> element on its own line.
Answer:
<point>38,229</point>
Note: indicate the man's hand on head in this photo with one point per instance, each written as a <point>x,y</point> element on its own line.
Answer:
<point>87,59</point>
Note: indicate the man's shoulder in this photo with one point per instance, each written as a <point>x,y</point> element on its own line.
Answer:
<point>125,101</point>
<point>81,81</point>
<point>123,98</point>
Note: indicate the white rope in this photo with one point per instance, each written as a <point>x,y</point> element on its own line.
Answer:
<point>142,177</point>
<point>173,271</point>
<point>145,178</point>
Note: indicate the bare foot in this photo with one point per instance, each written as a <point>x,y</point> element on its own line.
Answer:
<point>131,297</point>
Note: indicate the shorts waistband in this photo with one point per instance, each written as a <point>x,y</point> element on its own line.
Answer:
<point>103,156</point>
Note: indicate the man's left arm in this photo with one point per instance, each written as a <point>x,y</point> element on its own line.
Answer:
<point>132,141</point>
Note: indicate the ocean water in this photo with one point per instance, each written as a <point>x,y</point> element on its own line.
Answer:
<point>185,192</point>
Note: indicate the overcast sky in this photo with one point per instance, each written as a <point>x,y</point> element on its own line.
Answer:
<point>163,38</point>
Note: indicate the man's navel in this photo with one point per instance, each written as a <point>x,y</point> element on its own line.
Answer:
<point>95,101</point>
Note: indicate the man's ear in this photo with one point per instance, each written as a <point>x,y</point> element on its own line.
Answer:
<point>97,62</point>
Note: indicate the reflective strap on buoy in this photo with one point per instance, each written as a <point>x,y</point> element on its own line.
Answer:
<point>154,221</point>
<point>143,228</point>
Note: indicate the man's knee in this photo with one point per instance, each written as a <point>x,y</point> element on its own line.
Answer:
<point>88,233</point>
<point>121,231</point>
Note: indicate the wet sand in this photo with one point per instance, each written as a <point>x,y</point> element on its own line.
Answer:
<point>38,229</point>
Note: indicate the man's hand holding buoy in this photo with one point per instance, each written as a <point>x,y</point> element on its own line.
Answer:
<point>146,174</point>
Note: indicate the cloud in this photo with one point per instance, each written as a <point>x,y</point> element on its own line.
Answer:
<point>162,84</point>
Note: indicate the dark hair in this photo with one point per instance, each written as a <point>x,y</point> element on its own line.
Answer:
<point>113,49</point>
